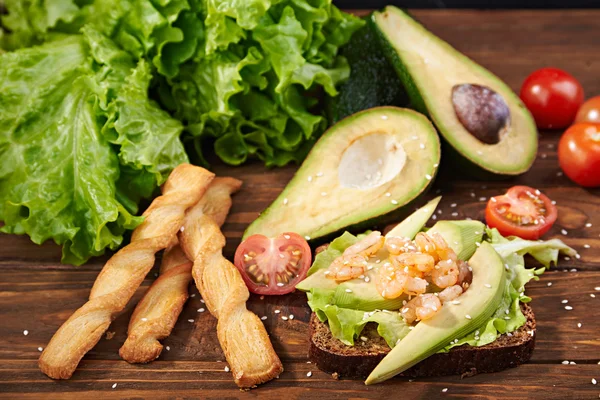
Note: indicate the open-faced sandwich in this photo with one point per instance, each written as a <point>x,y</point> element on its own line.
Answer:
<point>423,302</point>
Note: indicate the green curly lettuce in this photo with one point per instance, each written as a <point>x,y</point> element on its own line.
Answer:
<point>62,104</point>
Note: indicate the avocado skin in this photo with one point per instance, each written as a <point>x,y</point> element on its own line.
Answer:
<point>449,154</point>
<point>373,81</point>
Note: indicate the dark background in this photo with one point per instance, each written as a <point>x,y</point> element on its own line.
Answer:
<point>470,3</point>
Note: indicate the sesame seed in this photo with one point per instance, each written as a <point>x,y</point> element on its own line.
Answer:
<point>453,205</point>
<point>455,302</point>
<point>553,202</point>
<point>549,283</point>
<point>506,312</point>
<point>168,348</point>
<point>280,284</point>
<point>467,316</point>
<point>493,199</point>
<point>579,324</point>
<point>586,246</point>
<point>263,318</point>
<point>487,285</point>
<point>193,295</point>
<point>559,173</point>
<point>394,202</point>
<point>428,177</point>
<point>565,301</point>
<point>363,338</point>
<point>568,308</point>
<point>564,231</point>
<point>277,311</point>
<point>319,174</point>
<point>507,318</point>
<point>40,349</point>
<point>588,225</point>
<point>348,291</point>
<point>283,317</point>
<point>226,368</point>
<point>201,310</point>
<point>597,288</point>
<point>114,385</point>
<point>454,214</point>
<point>144,319</point>
<point>309,374</point>
<point>190,320</point>
<point>384,117</point>
<point>422,146</point>
<point>482,199</point>
<point>567,258</point>
<point>307,237</point>
<point>310,178</point>
<point>25,332</point>
<point>291,316</point>
<point>477,244</point>
<point>592,295</point>
<point>578,256</point>
<point>444,390</point>
<point>594,381</point>
<point>323,194</point>
<point>572,363</point>
<point>472,194</point>
<point>565,362</point>
<point>182,229</point>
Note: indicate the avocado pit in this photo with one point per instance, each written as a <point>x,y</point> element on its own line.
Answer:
<point>371,161</point>
<point>481,111</point>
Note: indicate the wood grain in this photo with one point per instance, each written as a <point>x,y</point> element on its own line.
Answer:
<point>37,293</point>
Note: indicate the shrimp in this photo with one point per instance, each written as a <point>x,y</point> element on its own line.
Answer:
<point>421,308</point>
<point>450,293</point>
<point>465,275</point>
<point>368,246</point>
<point>423,263</point>
<point>397,245</point>
<point>347,267</point>
<point>435,245</point>
<point>392,282</point>
<point>445,274</point>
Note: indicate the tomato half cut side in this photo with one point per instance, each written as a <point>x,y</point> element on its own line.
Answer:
<point>273,266</point>
<point>522,211</point>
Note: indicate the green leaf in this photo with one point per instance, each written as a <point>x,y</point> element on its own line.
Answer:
<point>57,179</point>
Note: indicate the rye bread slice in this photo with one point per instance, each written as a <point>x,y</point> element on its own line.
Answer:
<point>334,357</point>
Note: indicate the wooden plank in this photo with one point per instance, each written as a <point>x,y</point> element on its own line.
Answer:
<point>209,380</point>
<point>48,299</point>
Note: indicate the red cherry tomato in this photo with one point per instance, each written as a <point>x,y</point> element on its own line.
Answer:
<point>553,97</point>
<point>273,265</point>
<point>522,211</point>
<point>579,154</point>
<point>589,111</point>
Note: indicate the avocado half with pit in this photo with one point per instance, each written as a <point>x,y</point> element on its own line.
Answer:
<point>476,113</point>
<point>371,164</point>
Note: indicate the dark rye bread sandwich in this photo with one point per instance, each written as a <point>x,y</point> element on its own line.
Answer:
<point>334,357</point>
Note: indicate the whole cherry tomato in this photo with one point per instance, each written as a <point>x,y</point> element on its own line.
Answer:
<point>579,154</point>
<point>589,111</point>
<point>553,97</point>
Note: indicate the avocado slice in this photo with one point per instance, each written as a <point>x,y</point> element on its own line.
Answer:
<point>373,82</point>
<point>461,236</point>
<point>477,114</point>
<point>366,166</point>
<point>415,222</point>
<point>453,321</point>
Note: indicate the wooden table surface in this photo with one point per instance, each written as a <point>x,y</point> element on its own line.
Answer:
<point>37,293</point>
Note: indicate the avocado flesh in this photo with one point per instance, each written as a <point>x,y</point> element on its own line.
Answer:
<point>368,165</point>
<point>429,69</point>
<point>373,82</point>
<point>415,222</point>
<point>479,302</point>
<point>461,236</point>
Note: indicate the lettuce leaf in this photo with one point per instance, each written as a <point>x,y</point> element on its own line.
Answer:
<point>62,104</point>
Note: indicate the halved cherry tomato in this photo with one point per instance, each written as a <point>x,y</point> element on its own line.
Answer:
<point>273,265</point>
<point>579,154</point>
<point>522,211</point>
<point>553,96</point>
<point>589,111</point>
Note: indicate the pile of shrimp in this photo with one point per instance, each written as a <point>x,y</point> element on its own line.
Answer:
<point>412,267</point>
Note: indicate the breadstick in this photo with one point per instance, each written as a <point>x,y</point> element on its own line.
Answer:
<point>241,333</point>
<point>157,312</point>
<point>124,272</point>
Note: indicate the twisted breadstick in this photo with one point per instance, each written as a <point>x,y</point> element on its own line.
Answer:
<point>241,333</point>
<point>157,312</point>
<point>124,272</point>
